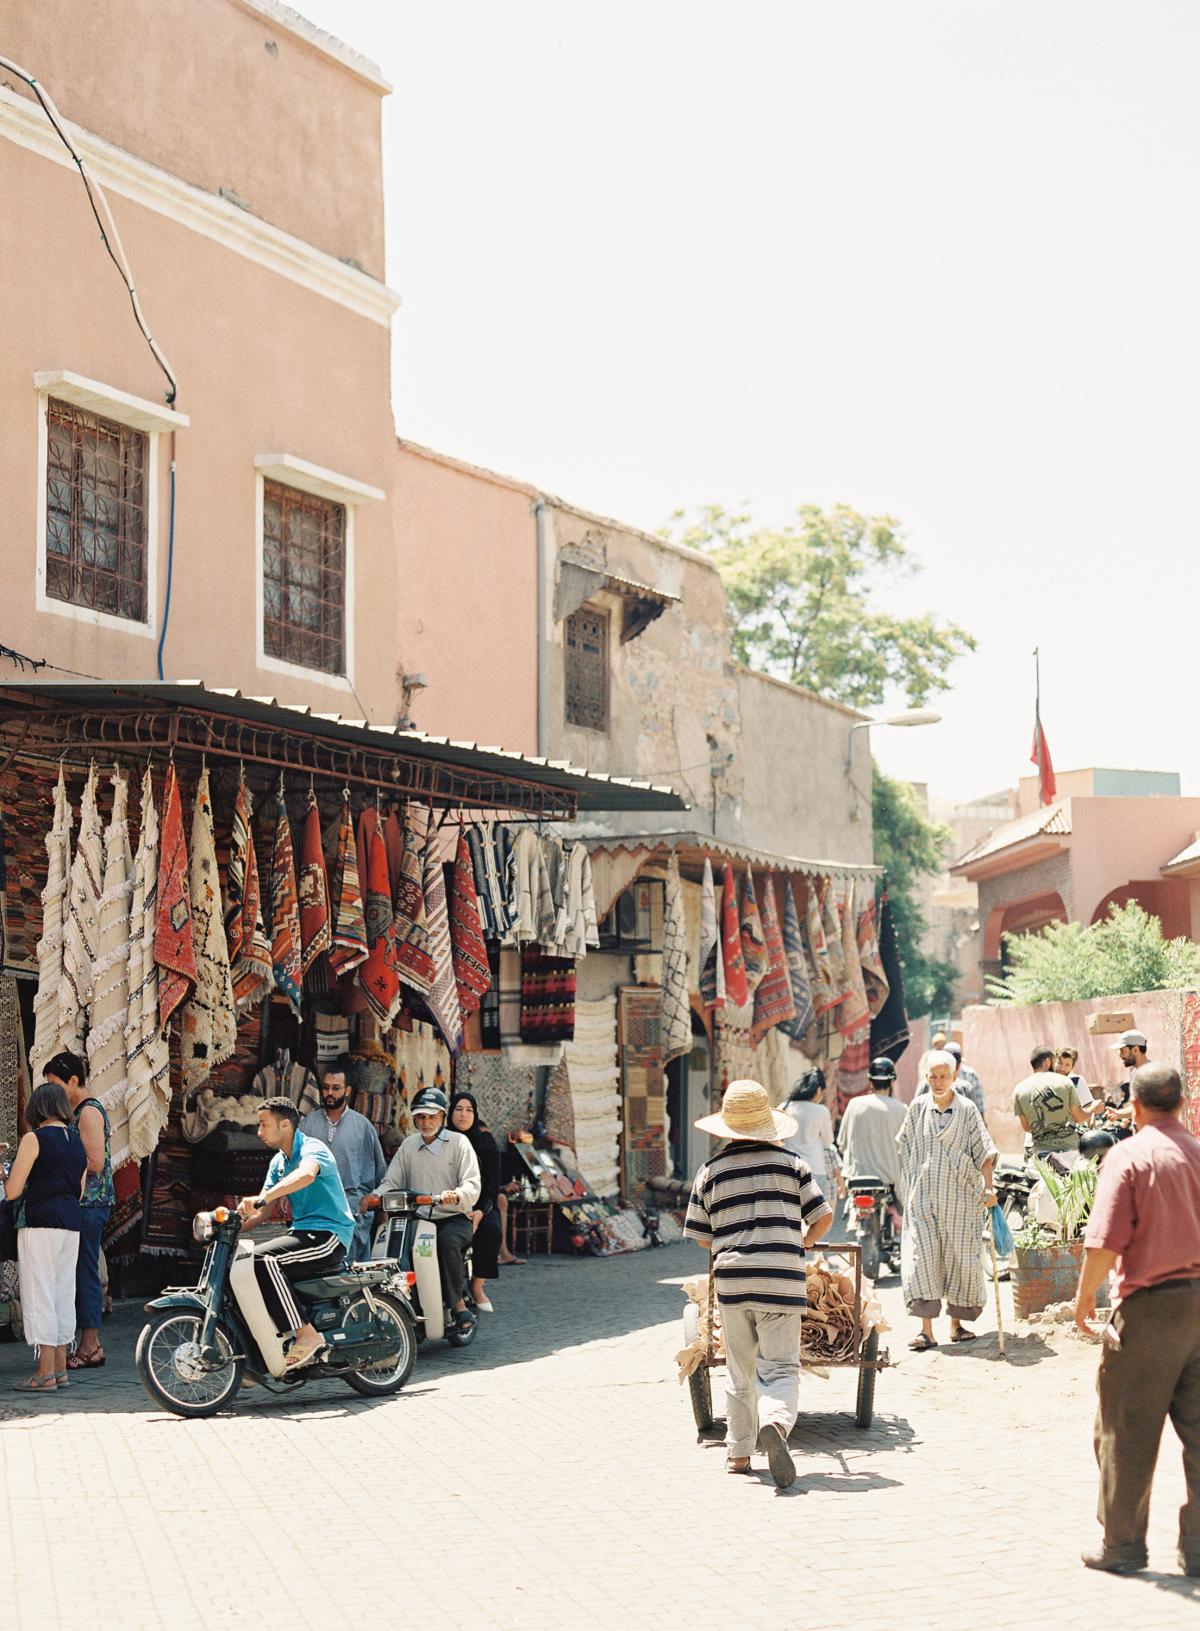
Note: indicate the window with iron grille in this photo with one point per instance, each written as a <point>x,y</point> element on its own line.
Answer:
<point>586,647</point>
<point>95,512</point>
<point>304,578</point>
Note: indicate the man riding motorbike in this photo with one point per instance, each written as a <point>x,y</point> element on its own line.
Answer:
<point>302,1170</point>
<point>437,1161</point>
<point>867,1135</point>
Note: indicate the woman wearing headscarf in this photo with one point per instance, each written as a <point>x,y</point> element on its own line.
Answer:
<point>813,1139</point>
<point>485,1218</point>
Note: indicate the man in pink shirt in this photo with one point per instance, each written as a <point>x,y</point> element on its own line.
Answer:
<point>1145,1226</point>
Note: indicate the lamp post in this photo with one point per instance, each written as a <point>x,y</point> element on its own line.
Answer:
<point>908,720</point>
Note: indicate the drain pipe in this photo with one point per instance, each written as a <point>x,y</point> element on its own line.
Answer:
<point>543,676</point>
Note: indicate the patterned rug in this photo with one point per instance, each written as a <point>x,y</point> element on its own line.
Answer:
<point>591,1062</point>
<point>506,1094</point>
<point>167,1228</point>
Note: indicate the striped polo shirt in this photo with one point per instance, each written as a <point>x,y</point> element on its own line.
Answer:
<point>752,1204</point>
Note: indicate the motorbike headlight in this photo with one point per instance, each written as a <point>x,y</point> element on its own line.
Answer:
<point>204,1226</point>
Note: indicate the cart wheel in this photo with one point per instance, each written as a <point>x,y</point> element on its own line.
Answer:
<point>700,1388</point>
<point>864,1414</point>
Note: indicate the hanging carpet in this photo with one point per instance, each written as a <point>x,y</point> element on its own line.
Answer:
<point>797,966</point>
<point>442,1000</point>
<point>773,1000</point>
<point>82,924</point>
<point>148,1088</point>
<point>174,951</point>
<point>106,1045</point>
<point>246,938</point>
<point>547,996</point>
<point>315,933</point>
<point>712,967</point>
<point>348,947</point>
<point>411,925</point>
<point>50,945</point>
<point>676,975</point>
<point>209,1018</point>
<point>285,912</point>
<point>754,944</point>
<point>468,949</point>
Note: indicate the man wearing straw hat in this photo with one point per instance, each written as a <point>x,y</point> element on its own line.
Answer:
<point>757,1207</point>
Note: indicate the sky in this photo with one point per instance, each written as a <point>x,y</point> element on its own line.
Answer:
<point>934,260</point>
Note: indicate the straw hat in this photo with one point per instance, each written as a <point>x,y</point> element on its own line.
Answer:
<point>746,1113</point>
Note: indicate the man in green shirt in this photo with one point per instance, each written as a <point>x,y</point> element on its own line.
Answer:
<point>1047,1105</point>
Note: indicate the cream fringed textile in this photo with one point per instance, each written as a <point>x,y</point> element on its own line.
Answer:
<point>209,1019</point>
<point>443,993</point>
<point>107,1063</point>
<point>591,1061</point>
<point>676,976</point>
<point>148,1089</point>
<point>80,933</point>
<point>50,945</point>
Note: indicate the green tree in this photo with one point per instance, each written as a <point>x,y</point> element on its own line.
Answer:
<point>805,603</point>
<point>909,846</point>
<point>1067,962</point>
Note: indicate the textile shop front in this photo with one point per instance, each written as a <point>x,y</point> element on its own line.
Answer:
<point>719,962</point>
<point>206,896</point>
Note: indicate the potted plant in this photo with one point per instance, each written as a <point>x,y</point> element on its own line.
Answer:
<point>1046,1260</point>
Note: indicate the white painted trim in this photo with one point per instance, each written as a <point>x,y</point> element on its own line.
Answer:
<point>24,123</point>
<point>86,614</point>
<point>107,401</point>
<point>276,665</point>
<point>281,16</point>
<point>287,469</point>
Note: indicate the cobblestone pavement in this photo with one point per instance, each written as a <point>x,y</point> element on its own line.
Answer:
<point>550,1476</point>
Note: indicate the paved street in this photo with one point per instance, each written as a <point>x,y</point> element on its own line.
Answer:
<point>550,1476</point>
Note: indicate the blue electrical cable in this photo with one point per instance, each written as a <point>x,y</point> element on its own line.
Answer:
<point>162,638</point>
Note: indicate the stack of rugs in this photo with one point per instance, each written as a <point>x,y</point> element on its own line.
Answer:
<point>591,1063</point>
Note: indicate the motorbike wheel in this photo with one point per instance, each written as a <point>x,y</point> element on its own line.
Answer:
<point>700,1388</point>
<point>377,1381</point>
<point>871,1255</point>
<point>864,1412</point>
<point>168,1370</point>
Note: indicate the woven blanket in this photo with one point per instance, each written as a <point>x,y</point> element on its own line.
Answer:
<point>421,1060</point>
<point>592,1072</point>
<point>50,945</point>
<point>285,912</point>
<point>508,985</point>
<point>831,926</point>
<point>467,947</point>
<point>82,926</point>
<point>119,1239</point>
<point>754,943</point>
<point>854,1016</point>
<point>442,1000</point>
<point>348,946</point>
<point>246,938</point>
<point>773,1000</point>
<point>505,1093</point>
<point>174,951</point>
<point>875,980</point>
<point>107,1061</point>
<point>209,1018</point>
<point>797,966</point>
<point>411,925</point>
<point>148,1086</point>
<point>379,976</point>
<point>737,988</point>
<point>676,975</point>
<point>712,967</point>
<point>825,994</point>
<point>547,996</point>
<point>167,1226</point>
<point>315,932</point>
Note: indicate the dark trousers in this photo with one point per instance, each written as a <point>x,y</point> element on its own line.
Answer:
<point>485,1254</point>
<point>89,1293</point>
<point>301,1255</point>
<point>1155,1373</point>
<point>454,1241</point>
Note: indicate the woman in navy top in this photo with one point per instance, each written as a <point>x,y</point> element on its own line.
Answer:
<point>48,1172</point>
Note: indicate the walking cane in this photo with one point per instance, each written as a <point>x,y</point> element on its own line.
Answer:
<point>996,1283</point>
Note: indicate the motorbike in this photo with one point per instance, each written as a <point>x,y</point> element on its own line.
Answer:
<point>408,1235</point>
<point>874,1218</point>
<point>202,1342</point>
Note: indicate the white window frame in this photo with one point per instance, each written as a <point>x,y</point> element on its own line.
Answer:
<point>289,471</point>
<point>137,413</point>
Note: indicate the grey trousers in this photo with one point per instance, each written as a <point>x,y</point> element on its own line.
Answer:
<point>762,1356</point>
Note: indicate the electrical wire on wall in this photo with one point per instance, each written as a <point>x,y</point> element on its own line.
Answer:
<point>111,239</point>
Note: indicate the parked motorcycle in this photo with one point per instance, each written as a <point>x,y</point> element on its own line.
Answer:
<point>408,1235</point>
<point>202,1341</point>
<point>874,1217</point>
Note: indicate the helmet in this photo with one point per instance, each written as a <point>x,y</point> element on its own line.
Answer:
<point>882,1070</point>
<point>1096,1143</point>
<point>429,1102</point>
<point>809,1085</point>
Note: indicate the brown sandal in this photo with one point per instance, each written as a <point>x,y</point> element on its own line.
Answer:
<point>92,1360</point>
<point>921,1344</point>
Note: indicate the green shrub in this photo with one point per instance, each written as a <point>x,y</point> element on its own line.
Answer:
<point>1067,962</point>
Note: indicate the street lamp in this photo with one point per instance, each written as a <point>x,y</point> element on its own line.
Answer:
<point>904,721</point>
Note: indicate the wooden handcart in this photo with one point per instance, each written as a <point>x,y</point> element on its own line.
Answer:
<point>865,1354</point>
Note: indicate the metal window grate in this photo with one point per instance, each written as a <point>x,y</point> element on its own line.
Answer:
<point>586,655</point>
<point>304,578</point>
<point>95,512</point>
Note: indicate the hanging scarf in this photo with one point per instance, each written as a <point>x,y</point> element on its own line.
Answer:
<point>285,911</point>
<point>82,927</point>
<point>676,1007</point>
<point>468,949</point>
<point>348,945</point>
<point>773,1000</point>
<point>737,991</point>
<point>107,1062</point>
<point>209,1019</point>
<point>148,1090</point>
<point>754,945</point>
<point>50,946</point>
<point>379,975</point>
<point>246,939</point>
<point>314,891</point>
<point>824,994</point>
<point>411,925</point>
<point>712,968</point>
<point>793,951</point>
<point>875,980</point>
<point>443,993</point>
<point>174,949</point>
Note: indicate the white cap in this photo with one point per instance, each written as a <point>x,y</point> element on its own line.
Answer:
<point>1131,1039</point>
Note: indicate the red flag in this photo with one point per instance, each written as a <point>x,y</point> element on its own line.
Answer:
<point>1041,758</point>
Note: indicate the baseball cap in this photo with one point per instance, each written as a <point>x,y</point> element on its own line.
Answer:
<point>428,1102</point>
<point>1131,1039</point>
